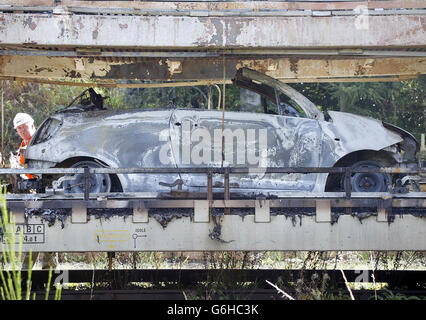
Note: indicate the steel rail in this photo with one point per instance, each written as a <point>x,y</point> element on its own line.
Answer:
<point>205,54</point>
<point>154,195</point>
<point>213,170</point>
<point>209,171</point>
<point>206,12</point>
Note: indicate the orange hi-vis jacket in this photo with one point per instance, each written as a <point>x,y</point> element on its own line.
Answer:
<point>22,157</point>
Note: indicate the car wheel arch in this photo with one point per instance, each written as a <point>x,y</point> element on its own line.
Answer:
<point>116,182</point>
<point>384,158</point>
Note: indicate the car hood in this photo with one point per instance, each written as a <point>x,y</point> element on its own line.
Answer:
<point>354,132</point>
<point>402,132</point>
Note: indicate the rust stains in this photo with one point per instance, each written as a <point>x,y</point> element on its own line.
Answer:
<point>294,65</point>
<point>364,68</point>
<point>4,61</point>
<point>174,67</point>
<point>36,70</point>
<point>259,65</point>
<point>30,23</point>
<point>72,74</point>
<point>359,70</point>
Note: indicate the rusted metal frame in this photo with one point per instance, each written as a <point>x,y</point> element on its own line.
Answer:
<point>226,195</point>
<point>200,83</point>
<point>223,204</point>
<point>213,170</point>
<point>209,171</point>
<point>104,84</point>
<point>108,54</point>
<point>348,187</point>
<point>417,196</point>
<point>225,171</point>
<point>73,53</point>
<point>86,184</point>
<point>209,187</point>
<point>309,69</point>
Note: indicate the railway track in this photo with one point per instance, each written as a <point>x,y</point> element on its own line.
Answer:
<point>233,294</point>
<point>238,283</point>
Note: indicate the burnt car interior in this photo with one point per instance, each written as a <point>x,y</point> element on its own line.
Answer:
<point>272,100</point>
<point>89,100</point>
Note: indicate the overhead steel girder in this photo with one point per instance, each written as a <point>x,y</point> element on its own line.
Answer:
<point>187,32</point>
<point>285,68</point>
<point>216,5</point>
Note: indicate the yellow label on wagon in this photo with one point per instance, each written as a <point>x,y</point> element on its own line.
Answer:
<point>112,236</point>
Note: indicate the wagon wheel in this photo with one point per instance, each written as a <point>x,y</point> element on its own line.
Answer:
<point>369,182</point>
<point>99,183</point>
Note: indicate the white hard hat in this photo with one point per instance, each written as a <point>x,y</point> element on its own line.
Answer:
<point>22,118</point>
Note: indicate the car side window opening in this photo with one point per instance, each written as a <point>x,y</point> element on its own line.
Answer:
<point>289,107</point>
<point>278,104</point>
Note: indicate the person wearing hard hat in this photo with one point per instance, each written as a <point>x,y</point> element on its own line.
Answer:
<point>24,125</point>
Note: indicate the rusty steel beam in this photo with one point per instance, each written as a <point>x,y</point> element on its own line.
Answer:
<point>167,84</point>
<point>286,68</point>
<point>186,32</point>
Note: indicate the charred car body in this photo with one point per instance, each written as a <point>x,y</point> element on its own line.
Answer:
<point>294,134</point>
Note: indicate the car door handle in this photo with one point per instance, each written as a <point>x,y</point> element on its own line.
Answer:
<point>178,183</point>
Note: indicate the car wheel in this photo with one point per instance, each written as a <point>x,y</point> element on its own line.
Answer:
<point>369,182</point>
<point>99,183</point>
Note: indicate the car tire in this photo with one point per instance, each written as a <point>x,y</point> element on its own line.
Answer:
<point>99,183</point>
<point>369,182</point>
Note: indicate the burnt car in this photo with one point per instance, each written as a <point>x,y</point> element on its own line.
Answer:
<point>290,132</point>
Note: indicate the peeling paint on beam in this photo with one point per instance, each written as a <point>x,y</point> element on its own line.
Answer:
<point>286,69</point>
<point>114,84</point>
<point>224,5</point>
<point>210,32</point>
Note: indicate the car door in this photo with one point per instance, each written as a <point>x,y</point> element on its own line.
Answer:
<point>141,140</point>
<point>295,129</point>
<point>252,141</point>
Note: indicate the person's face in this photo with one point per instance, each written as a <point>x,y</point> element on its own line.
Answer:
<point>24,131</point>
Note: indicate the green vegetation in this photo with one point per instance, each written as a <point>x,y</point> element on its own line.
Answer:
<point>12,285</point>
<point>389,295</point>
<point>11,282</point>
<point>223,285</point>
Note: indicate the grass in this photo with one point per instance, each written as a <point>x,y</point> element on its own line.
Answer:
<point>12,286</point>
<point>316,287</point>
